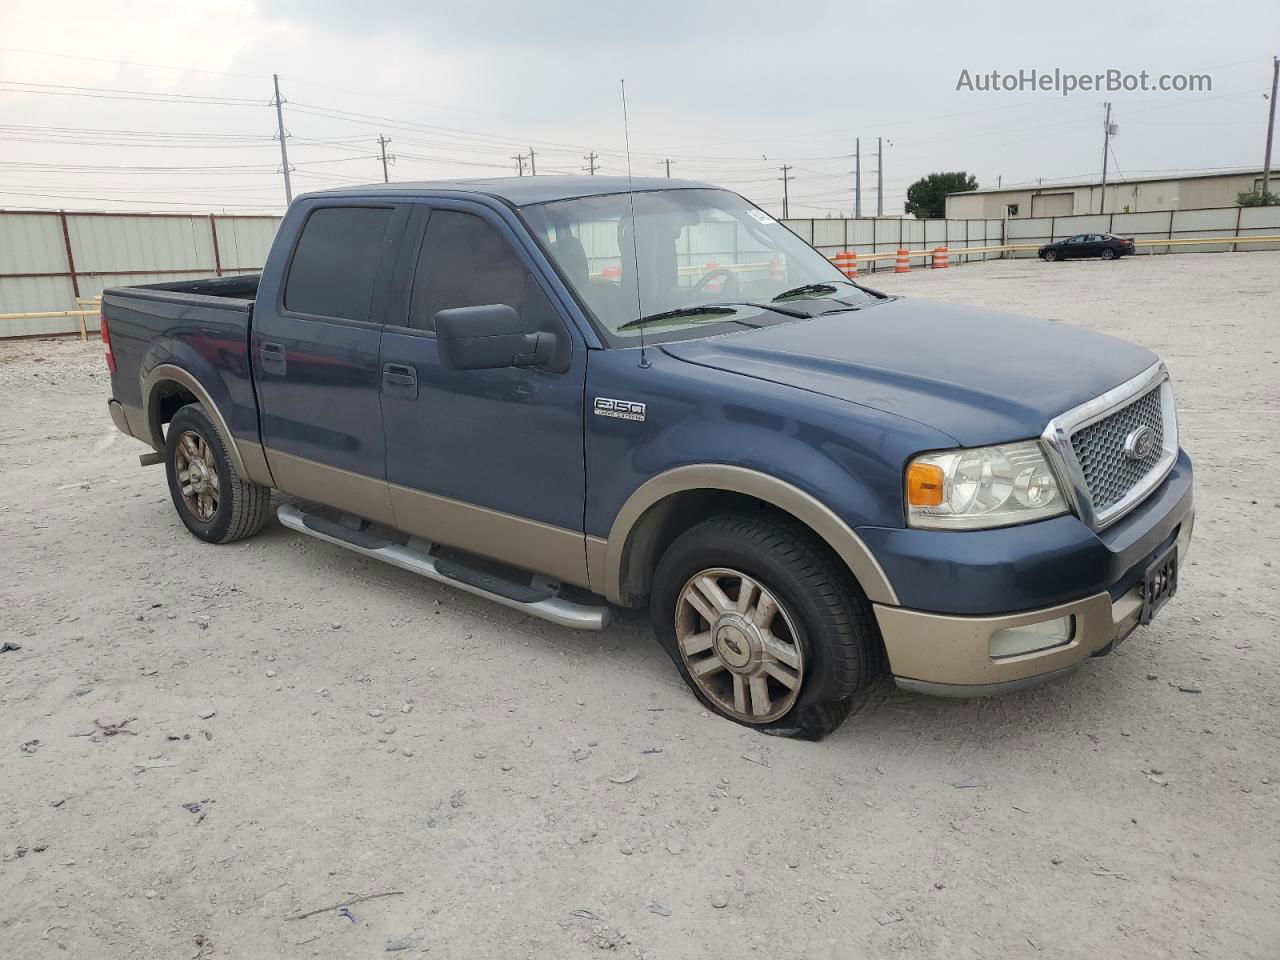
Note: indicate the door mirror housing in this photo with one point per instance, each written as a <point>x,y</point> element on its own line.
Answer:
<point>489,337</point>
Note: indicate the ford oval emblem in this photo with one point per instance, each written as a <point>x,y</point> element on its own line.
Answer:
<point>1140,444</point>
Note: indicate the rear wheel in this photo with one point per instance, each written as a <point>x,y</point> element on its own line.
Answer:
<point>1108,253</point>
<point>765,625</point>
<point>213,500</point>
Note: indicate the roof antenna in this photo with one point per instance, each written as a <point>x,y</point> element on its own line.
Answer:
<point>635,240</point>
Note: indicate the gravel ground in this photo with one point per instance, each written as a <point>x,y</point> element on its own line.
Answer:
<point>198,744</point>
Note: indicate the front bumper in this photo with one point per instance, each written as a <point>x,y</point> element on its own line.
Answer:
<point>949,654</point>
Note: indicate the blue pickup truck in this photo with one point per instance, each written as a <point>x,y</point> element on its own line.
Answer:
<point>569,394</point>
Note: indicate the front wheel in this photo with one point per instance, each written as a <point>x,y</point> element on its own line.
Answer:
<point>765,625</point>
<point>213,500</point>
<point>1051,255</point>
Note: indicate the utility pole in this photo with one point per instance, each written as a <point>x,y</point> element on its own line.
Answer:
<point>519,159</point>
<point>879,176</point>
<point>591,159</point>
<point>1271,128</point>
<point>857,179</point>
<point>533,167</point>
<point>382,144</point>
<point>284,151</point>
<point>1106,149</point>
<point>786,171</point>
<point>668,165</point>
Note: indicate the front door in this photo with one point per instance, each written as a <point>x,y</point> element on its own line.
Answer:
<point>489,461</point>
<point>315,356</point>
<point>1072,246</point>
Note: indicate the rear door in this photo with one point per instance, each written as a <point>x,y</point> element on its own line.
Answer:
<point>315,355</point>
<point>489,461</point>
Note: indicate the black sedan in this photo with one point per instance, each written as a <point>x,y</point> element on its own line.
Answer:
<point>1102,245</point>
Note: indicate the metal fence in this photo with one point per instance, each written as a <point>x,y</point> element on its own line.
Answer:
<point>883,238</point>
<point>51,259</point>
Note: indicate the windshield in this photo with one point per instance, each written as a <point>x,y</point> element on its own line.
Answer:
<point>708,262</point>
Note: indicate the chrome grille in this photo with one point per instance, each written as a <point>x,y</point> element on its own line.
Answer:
<point>1109,472</point>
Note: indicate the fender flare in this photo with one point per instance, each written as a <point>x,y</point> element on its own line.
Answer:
<point>715,476</point>
<point>253,468</point>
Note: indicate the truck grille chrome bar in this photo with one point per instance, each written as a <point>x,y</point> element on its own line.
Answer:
<point>1112,451</point>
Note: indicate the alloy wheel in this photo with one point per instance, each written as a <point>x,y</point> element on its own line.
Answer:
<point>739,645</point>
<point>197,473</point>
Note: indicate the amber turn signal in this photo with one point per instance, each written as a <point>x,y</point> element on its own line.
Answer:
<point>924,485</point>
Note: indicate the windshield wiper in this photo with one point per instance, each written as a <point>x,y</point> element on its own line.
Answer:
<point>806,290</point>
<point>680,313</point>
<point>772,308</point>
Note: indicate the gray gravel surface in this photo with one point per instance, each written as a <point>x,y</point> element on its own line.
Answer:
<point>198,743</point>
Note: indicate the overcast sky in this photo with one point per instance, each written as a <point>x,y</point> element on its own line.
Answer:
<point>729,91</point>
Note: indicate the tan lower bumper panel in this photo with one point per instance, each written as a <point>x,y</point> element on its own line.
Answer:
<point>951,656</point>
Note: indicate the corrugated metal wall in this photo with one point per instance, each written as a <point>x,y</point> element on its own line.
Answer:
<point>49,259</point>
<point>119,249</point>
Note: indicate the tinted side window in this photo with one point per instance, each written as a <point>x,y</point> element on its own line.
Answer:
<point>335,262</point>
<point>465,262</point>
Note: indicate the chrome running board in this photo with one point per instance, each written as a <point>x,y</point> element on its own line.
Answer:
<point>415,557</point>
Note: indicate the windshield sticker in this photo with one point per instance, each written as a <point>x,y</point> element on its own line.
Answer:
<point>761,217</point>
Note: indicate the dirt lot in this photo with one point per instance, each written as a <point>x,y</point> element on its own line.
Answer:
<point>198,744</point>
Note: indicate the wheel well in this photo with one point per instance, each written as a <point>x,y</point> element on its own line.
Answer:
<point>659,526</point>
<point>167,398</point>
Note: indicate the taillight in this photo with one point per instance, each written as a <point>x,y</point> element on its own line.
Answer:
<point>106,342</point>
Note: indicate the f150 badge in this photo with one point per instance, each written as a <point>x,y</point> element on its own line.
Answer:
<point>621,409</point>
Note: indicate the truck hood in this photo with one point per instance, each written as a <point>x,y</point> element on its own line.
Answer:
<point>981,376</point>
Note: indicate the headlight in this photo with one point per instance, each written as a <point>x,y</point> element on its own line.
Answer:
<point>982,487</point>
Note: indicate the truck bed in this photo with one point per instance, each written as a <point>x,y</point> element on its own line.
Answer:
<point>202,326</point>
<point>243,287</point>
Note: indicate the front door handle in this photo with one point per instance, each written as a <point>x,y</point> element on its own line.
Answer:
<point>400,380</point>
<point>272,356</point>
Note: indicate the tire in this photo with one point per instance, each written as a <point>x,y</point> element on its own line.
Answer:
<point>222,506</point>
<point>822,635</point>
<point>1108,254</point>
<point>1051,255</point>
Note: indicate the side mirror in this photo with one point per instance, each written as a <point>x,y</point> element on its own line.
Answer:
<point>489,338</point>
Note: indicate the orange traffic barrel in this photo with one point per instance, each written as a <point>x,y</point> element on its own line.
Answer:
<point>846,262</point>
<point>941,258</point>
<point>903,262</point>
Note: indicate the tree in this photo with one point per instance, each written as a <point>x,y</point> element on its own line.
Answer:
<point>927,197</point>
<point>1256,198</point>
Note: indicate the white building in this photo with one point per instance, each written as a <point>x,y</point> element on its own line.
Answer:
<point>1124,195</point>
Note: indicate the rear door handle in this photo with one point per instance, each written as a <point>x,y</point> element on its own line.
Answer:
<point>400,380</point>
<point>272,355</point>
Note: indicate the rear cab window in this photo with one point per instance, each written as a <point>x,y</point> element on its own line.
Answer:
<point>335,263</point>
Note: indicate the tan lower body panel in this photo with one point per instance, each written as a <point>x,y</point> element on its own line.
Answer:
<point>518,541</point>
<point>940,649</point>
<point>255,462</point>
<point>521,542</point>
<point>364,496</point>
